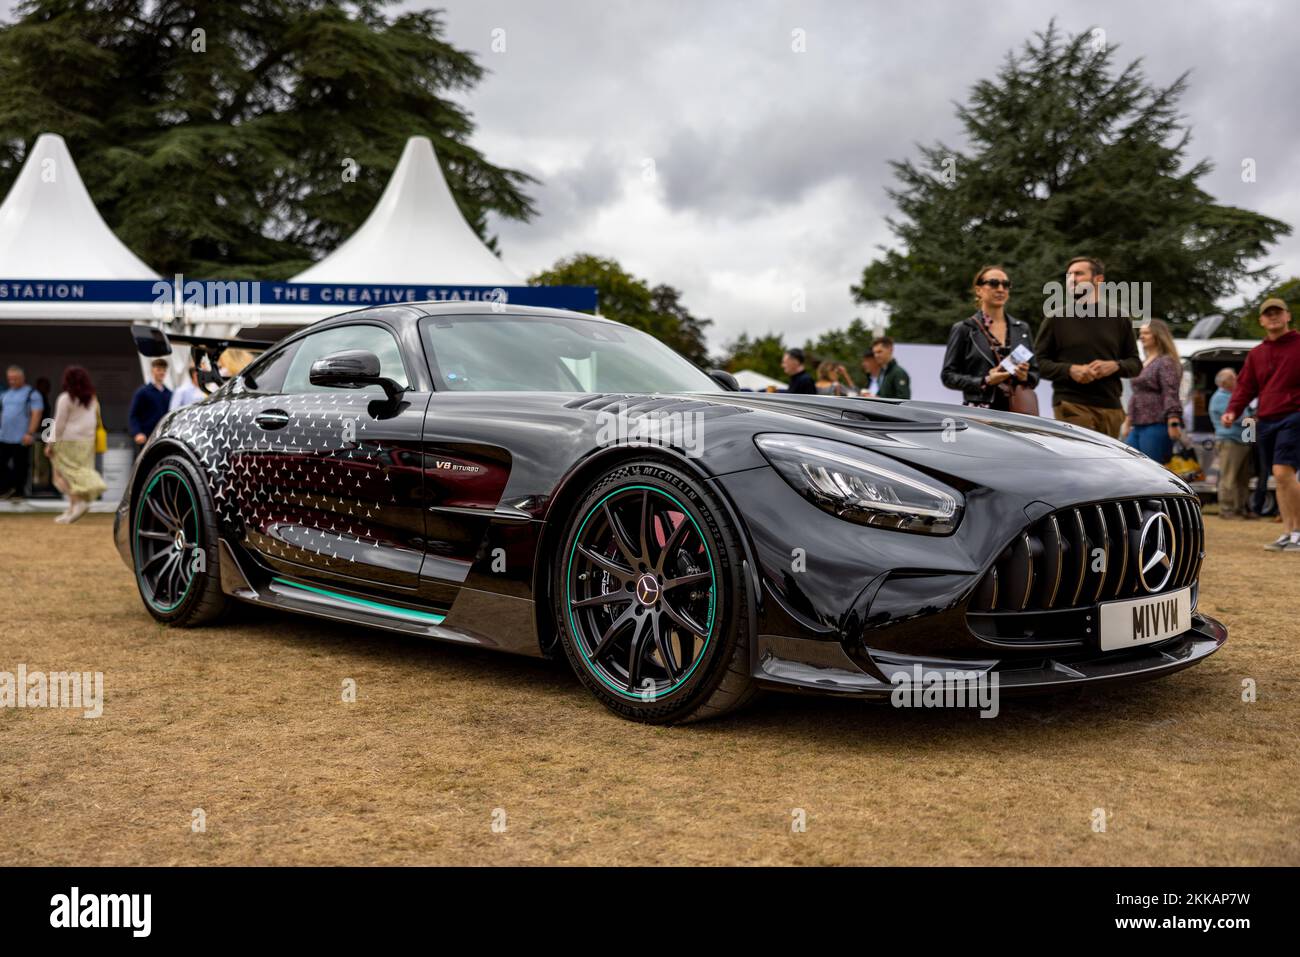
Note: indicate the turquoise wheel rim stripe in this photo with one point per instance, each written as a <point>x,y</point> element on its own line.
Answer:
<point>139,511</point>
<point>713,597</point>
<point>430,617</point>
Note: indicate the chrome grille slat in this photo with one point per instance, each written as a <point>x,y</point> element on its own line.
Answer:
<point>1029,570</point>
<point>1105,555</point>
<point>1134,587</point>
<point>1055,550</point>
<point>1179,543</point>
<point>1123,559</point>
<point>1175,514</point>
<point>1183,543</point>
<point>1200,541</point>
<point>1016,574</point>
<point>1081,555</point>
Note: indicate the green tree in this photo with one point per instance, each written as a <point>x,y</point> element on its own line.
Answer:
<point>688,331</point>
<point>1068,155</point>
<point>842,345</point>
<point>218,137</point>
<point>627,299</point>
<point>761,354</point>
<point>1243,323</point>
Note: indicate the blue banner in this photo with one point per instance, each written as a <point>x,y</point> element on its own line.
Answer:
<point>219,292</point>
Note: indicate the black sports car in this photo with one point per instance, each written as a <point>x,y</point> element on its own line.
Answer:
<point>546,482</point>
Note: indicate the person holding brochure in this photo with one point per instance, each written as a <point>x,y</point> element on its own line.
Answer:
<point>989,358</point>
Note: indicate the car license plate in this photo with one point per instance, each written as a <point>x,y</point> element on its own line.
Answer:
<point>1140,621</point>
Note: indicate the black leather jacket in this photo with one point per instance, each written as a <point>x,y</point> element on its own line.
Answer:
<point>969,357</point>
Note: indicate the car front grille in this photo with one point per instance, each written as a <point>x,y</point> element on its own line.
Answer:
<point>1077,557</point>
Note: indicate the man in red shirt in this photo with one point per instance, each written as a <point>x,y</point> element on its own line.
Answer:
<point>1272,372</point>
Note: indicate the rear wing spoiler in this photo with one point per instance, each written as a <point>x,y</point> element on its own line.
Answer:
<point>152,342</point>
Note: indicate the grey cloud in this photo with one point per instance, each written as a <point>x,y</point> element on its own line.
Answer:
<point>745,132</point>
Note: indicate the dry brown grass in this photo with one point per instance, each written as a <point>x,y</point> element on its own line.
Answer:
<point>246,722</point>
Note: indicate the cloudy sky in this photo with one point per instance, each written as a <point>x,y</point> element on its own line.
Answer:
<point>693,144</point>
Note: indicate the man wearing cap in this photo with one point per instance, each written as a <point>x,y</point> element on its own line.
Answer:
<point>1272,373</point>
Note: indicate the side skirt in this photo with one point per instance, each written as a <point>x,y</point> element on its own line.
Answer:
<point>453,625</point>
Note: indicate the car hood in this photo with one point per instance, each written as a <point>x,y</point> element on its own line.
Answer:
<point>1050,461</point>
<point>952,429</point>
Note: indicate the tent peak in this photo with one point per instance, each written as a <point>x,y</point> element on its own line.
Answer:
<point>50,228</point>
<point>415,234</point>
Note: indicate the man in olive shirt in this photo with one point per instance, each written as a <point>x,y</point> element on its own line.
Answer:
<point>1085,355</point>
<point>894,383</point>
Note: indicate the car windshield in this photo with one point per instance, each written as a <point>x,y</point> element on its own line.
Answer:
<point>550,354</point>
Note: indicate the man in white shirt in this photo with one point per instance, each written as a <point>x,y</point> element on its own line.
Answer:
<point>872,370</point>
<point>187,394</point>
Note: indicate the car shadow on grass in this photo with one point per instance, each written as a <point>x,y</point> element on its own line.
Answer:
<point>1139,710</point>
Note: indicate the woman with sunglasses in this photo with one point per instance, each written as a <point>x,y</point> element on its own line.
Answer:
<point>977,345</point>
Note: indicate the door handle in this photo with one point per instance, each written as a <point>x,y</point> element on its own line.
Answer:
<point>272,419</point>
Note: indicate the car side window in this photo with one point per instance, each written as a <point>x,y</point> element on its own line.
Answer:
<point>266,374</point>
<point>371,338</point>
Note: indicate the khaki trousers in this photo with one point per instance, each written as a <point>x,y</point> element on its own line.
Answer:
<point>1234,476</point>
<point>1105,421</point>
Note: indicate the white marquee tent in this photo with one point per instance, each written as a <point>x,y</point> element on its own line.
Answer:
<point>55,249</point>
<point>50,231</point>
<point>416,234</point>
<point>756,381</point>
<point>415,237</point>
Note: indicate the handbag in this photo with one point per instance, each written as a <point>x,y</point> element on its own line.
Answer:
<point>1184,463</point>
<point>1024,400</point>
<point>101,433</point>
<point>1020,398</point>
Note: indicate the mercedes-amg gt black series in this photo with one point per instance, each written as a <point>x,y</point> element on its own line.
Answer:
<point>547,483</point>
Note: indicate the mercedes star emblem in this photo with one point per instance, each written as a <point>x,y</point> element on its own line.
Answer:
<point>1156,552</point>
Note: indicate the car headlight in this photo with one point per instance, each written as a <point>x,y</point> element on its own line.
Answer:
<point>853,484</point>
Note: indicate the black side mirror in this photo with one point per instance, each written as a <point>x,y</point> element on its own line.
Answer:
<point>724,379</point>
<point>352,369</point>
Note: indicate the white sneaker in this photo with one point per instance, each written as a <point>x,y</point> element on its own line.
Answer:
<point>1282,542</point>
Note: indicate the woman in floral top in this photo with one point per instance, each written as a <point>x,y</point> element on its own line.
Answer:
<point>1155,412</point>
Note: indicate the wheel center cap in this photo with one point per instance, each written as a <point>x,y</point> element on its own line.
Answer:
<point>179,544</point>
<point>647,589</point>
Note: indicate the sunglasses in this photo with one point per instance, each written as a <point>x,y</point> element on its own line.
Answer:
<point>995,283</point>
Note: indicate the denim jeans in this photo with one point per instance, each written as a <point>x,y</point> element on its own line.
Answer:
<point>1152,440</point>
